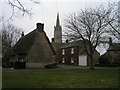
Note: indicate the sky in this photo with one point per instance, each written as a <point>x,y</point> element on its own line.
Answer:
<point>46,12</point>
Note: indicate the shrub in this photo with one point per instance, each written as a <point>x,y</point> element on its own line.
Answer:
<point>51,66</point>
<point>7,65</point>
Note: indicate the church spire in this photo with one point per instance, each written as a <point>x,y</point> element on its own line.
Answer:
<point>58,31</point>
<point>57,21</point>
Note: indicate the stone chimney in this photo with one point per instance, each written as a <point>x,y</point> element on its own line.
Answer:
<point>110,41</point>
<point>40,27</point>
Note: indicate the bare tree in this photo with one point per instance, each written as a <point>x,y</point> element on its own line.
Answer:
<point>19,6</point>
<point>115,17</point>
<point>10,35</point>
<point>91,27</point>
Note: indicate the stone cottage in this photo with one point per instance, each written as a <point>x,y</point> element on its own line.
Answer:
<point>34,48</point>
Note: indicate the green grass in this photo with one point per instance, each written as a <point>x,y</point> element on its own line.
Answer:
<point>0,80</point>
<point>74,78</point>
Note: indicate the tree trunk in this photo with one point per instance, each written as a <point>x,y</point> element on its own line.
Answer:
<point>91,62</point>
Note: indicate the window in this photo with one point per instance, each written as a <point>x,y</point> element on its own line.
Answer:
<point>72,50</point>
<point>22,60</point>
<point>63,60</point>
<point>63,51</point>
<point>72,60</point>
<point>115,52</point>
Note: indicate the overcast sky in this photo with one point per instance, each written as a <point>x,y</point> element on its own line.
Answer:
<point>46,12</point>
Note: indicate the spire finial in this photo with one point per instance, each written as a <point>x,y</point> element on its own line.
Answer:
<point>57,22</point>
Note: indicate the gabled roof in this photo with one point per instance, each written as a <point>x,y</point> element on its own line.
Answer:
<point>25,42</point>
<point>71,44</point>
<point>114,47</point>
<point>75,44</point>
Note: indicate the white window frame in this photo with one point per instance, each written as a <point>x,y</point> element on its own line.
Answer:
<point>63,60</point>
<point>72,60</point>
<point>63,51</point>
<point>72,50</point>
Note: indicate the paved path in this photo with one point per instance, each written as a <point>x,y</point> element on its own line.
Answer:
<point>61,67</point>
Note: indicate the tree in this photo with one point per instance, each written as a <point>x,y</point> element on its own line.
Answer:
<point>91,27</point>
<point>19,6</point>
<point>114,20</point>
<point>10,35</point>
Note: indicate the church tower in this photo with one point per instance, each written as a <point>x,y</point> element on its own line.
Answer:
<point>58,31</point>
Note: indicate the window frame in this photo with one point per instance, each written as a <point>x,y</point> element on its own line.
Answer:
<point>63,51</point>
<point>72,50</point>
<point>72,60</point>
<point>63,60</point>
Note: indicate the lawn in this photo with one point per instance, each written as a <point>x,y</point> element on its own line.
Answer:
<point>72,78</point>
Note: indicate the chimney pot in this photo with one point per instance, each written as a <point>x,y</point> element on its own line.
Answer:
<point>40,26</point>
<point>53,39</point>
<point>22,34</point>
<point>67,41</point>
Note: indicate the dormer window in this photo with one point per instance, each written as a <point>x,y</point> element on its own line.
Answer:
<point>63,51</point>
<point>72,50</point>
